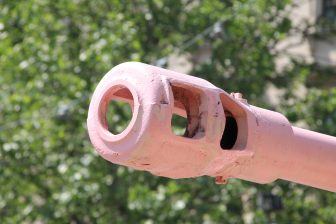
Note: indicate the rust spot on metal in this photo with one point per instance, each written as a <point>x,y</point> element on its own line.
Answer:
<point>221,180</point>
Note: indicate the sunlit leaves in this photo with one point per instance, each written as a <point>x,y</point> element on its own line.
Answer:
<point>52,55</point>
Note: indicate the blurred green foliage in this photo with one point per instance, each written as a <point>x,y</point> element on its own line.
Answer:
<point>52,55</point>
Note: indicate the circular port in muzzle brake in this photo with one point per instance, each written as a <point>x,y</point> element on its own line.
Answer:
<point>118,110</point>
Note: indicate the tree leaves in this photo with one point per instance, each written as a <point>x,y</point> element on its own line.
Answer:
<point>52,55</point>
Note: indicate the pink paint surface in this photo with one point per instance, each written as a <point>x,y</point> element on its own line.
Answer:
<point>266,147</point>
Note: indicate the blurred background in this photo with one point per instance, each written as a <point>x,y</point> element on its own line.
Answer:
<point>280,54</point>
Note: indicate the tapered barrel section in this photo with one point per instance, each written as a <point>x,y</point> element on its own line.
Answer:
<point>311,159</point>
<point>282,151</point>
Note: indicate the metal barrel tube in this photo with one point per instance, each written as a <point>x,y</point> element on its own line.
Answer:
<point>313,160</point>
<point>225,136</point>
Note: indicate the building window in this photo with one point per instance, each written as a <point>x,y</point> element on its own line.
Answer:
<point>329,10</point>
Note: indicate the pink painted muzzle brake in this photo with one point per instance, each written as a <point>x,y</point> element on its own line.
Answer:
<point>225,136</point>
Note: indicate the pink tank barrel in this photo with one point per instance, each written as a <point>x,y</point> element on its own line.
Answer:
<point>225,136</point>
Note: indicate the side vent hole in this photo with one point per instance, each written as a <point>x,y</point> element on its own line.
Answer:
<point>230,134</point>
<point>179,125</point>
<point>186,120</point>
